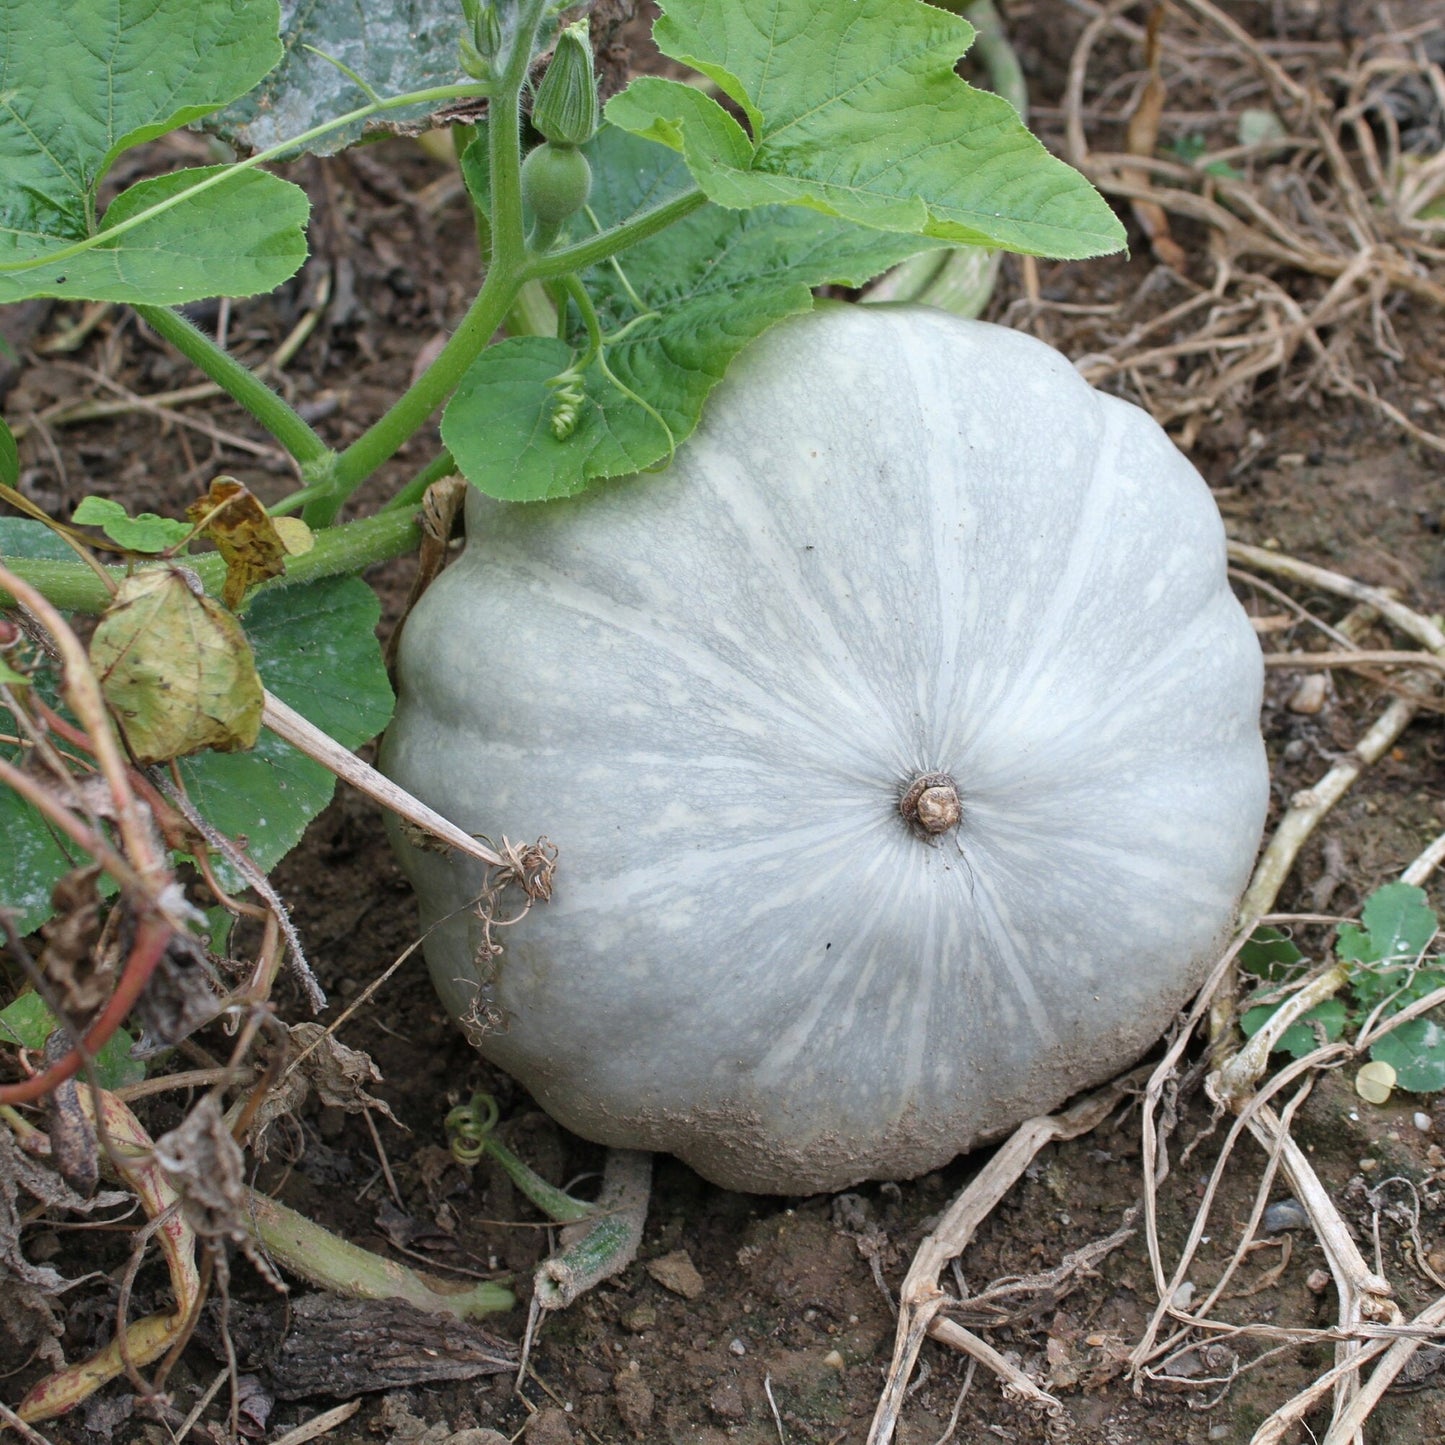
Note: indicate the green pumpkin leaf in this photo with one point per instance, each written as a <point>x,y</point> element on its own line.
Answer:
<point>144,533</point>
<point>89,79</point>
<point>394,48</point>
<point>9,456</point>
<point>1416,1051</point>
<point>1299,1038</point>
<point>855,110</point>
<point>1386,953</point>
<point>706,286</point>
<point>27,1023</point>
<point>316,649</point>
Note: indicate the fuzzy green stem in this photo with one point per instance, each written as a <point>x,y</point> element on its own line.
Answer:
<point>582,254</point>
<point>556,1204</point>
<point>272,411</point>
<point>322,1258</point>
<point>505,276</point>
<point>610,1244</point>
<point>74,587</point>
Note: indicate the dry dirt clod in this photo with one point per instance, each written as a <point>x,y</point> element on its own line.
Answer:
<point>550,1427</point>
<point>676,1272</point>
<point>635,1401</point>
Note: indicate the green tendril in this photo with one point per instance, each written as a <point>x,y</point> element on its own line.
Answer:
<point>469,1128</point>
<point>616,265</point>
<point>347,71</point>
<point>570,394</point>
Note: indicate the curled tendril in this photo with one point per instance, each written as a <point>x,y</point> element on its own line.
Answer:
<point>569,394</point>
<point>469,1126</point>
<point>567,403</point>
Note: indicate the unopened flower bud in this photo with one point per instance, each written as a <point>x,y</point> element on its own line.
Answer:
<point>565,110</point>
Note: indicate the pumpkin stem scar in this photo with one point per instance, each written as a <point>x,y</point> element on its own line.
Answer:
<point>931,803</point>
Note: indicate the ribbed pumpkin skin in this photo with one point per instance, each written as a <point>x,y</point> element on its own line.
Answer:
<point>898,543</point>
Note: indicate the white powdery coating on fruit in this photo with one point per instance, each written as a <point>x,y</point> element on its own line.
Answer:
<point>710,688</point>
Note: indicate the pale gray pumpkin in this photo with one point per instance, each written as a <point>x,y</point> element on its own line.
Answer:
<point>898,544</point>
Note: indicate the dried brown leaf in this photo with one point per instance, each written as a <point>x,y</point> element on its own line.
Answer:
<point>245,536</point>
<point>176,669</point>
<point>337,1073</point>
<point>81,980</point>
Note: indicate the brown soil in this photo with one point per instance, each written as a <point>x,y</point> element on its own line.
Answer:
<point>792,1331</point>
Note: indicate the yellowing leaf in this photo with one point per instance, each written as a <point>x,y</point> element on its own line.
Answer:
<point>296,537</point>
<point>176,669</point>
<point>1375,1082</point>
<point>233,518</point>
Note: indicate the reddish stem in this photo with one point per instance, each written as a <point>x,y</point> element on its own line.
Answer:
<point>152,936</point>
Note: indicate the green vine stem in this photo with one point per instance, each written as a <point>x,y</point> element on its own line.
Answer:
<point>271,410</point>
<point>582,254</point>
<point>327,1260</point>
<point>73,587</point>
<point>506,274</point>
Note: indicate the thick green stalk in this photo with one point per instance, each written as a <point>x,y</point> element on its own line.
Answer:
<point>74,587</point>
<point>505,276</point>
<point>272,411</point>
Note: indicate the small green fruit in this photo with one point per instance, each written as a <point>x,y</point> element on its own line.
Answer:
<point>556,181</point>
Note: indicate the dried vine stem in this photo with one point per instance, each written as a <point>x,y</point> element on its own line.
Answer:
<point>303,734</point>
<point>921,1299</point>
<point>1316,201</point>
<point>1413,624</point>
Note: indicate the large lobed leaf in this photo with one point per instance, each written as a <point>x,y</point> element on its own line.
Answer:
<point>707,286</point>
<point>854,109</point>
<point>84,80</point>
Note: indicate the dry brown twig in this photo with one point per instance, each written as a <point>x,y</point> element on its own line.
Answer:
<point>1302,203</point>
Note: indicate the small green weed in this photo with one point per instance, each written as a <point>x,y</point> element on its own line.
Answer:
<point>1389,968</point>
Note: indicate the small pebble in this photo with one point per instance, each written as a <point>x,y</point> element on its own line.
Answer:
<point>833,1360</point>
<point>1423,1122</point>
<point>1284,1214</point>
<point>1219,1432</point>
<point>737,1347</point>
<point>1368,1166</point>
<point>1184,1295</point>
<point>1310,693</point>
<point>1317,1281</point>
<point>639,1319</point>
